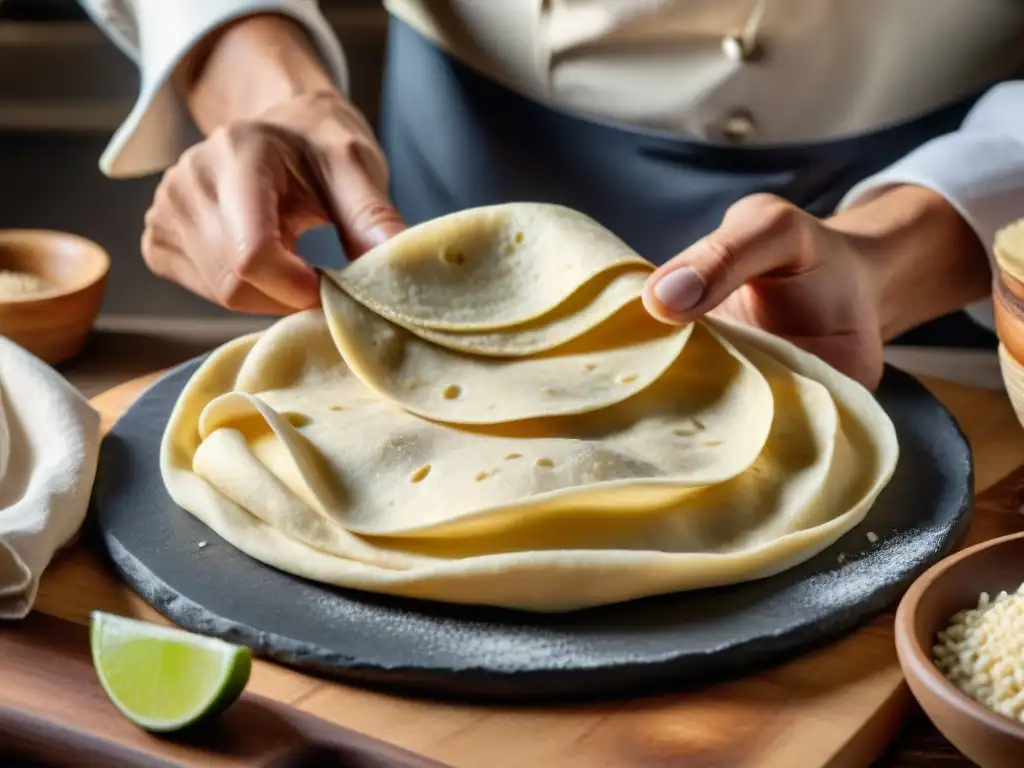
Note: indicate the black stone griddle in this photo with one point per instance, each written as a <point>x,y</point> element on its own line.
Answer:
<point>468,652</point>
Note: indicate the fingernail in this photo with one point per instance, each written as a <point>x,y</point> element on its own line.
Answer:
<point>680,290</point>
<point>383,233</point>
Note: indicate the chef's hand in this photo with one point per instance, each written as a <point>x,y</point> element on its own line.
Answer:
<point>776,267</point>
<point>838,287</point>
<point>226,217</point>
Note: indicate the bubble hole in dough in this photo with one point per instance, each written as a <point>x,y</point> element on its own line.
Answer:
<point>482,412</point>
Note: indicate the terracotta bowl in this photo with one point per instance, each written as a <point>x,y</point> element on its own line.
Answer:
<point>989,739</point>
<point>52,324</point>
<point>1008,307</point>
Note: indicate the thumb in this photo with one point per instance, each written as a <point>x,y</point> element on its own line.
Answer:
<point>759,235</point>
<point>356,188</point>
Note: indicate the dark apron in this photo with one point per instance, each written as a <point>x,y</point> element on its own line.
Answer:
<point>456,140</point>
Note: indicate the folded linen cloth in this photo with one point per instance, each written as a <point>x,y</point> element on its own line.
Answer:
<point>49,443</point>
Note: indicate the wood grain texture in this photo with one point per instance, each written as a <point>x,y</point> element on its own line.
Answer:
<point>52,709</point>
<point>836,707</point>
<point>920,745</point>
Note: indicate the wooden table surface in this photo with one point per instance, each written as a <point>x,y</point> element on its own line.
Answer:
<point>110,359</point>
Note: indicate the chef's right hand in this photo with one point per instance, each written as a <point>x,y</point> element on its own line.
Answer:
<point>839,287</point>
<point>226,218</point>
<point>771,265</point>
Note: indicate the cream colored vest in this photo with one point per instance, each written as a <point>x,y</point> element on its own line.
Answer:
<point>743,71</point>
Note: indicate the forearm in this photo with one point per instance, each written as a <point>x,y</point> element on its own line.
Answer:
<point>248,66</point>
<point>979,170</point>
<point>926,260</point>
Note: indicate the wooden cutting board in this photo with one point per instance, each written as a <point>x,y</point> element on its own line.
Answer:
<point>53,710</point>
<point>837,707</point>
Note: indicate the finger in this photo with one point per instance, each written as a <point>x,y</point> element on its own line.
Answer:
<point>165,259</point>
<point>249,299</point>
<point>244,298</point>
<point>355,182</point>
<point>250,191</point>
<point>181,211</point>
<point>164,255</point>
<point>758,236</point>
<point>174,265</point>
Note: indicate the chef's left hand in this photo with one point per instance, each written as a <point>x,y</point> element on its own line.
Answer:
<point>837,287</point>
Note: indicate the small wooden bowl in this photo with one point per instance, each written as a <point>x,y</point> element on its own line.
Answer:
<point>52,324</point>
<point>1008,308</point>
<point>954,584</point>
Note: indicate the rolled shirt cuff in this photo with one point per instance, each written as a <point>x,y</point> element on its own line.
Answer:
<point>157,130</point>
<point>979,170</point>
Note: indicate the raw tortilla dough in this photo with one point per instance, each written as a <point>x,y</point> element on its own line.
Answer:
<point>732,456</point>
<point>595,371</point>
<point>595,303</point>
<point>485,268</point>
<point>716,430</point>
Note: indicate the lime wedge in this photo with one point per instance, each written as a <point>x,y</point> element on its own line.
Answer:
<point>164,679</point>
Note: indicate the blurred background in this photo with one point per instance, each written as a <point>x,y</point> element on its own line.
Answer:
<point>64,89</point>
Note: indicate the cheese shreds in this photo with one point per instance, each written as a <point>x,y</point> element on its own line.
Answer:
<point>982,652</point>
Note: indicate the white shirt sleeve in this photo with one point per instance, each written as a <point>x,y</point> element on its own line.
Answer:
<point>156,35</point>
<point>979,169</point>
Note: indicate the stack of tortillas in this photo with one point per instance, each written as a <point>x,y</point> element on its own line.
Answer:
<point>484,413</point>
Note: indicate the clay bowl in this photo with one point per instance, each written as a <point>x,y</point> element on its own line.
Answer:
<point>953,584</point>
<point>54,323</point>
<point>1008,307</point>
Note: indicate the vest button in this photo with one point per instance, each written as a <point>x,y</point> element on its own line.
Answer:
<point>737,49</point>
<point>738,127</point>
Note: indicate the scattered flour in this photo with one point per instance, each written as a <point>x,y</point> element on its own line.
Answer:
<point>861,574</point>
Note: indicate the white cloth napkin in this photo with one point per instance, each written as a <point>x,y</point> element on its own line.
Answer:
<point>49,443</point>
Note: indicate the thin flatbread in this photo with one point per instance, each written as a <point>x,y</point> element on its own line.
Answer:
<point>484,268</point>
<point>596,303</point>
<point>591,373</point>
<point>817,475</point>
<point>510,428</point>
<point>355,457</point>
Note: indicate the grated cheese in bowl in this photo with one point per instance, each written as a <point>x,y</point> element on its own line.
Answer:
<point>14,285</point>
<point>982,652</point>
